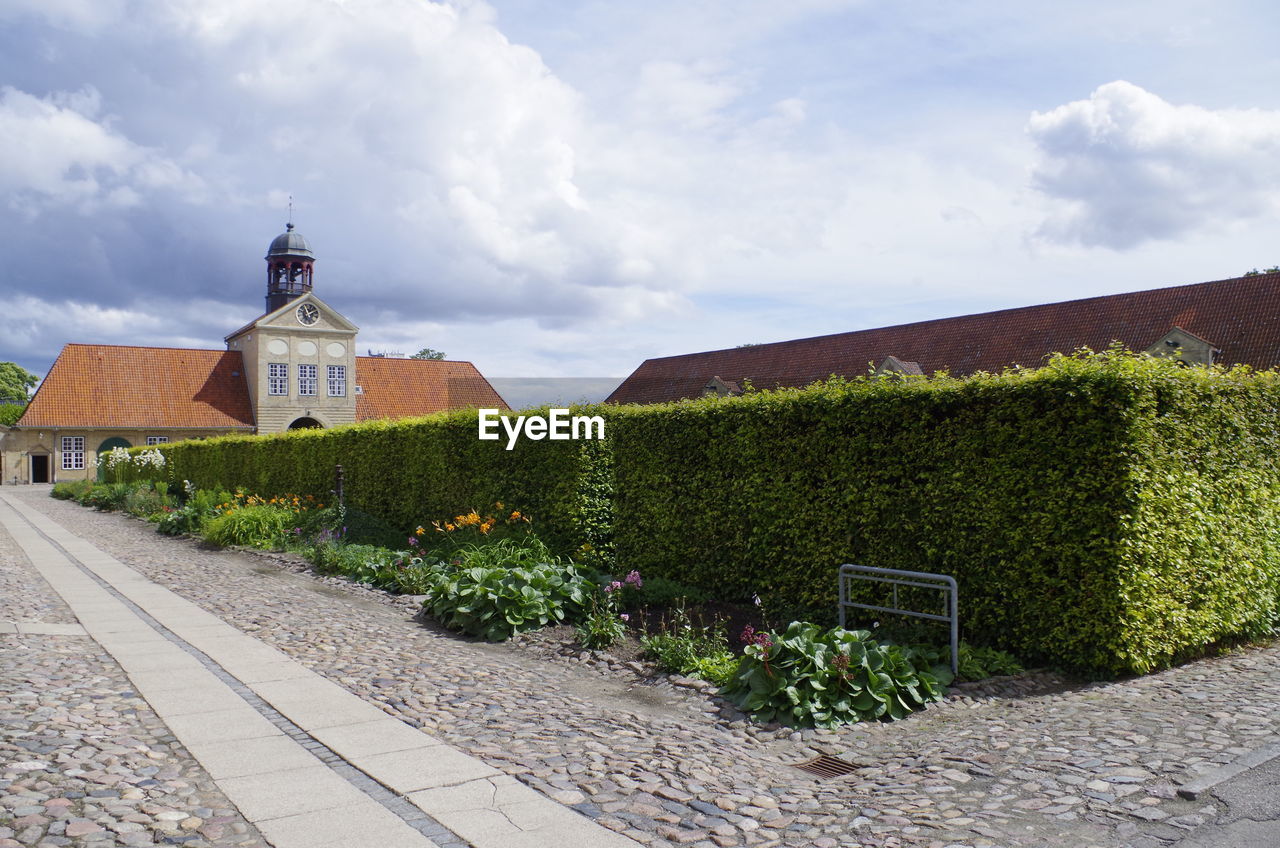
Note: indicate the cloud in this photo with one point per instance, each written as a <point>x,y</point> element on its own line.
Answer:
<point>1126,167</point>
<point>437,167</point>
<point>57,152</point>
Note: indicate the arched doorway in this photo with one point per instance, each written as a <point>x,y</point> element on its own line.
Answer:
<point>113,442</point>
<point>306,424</point>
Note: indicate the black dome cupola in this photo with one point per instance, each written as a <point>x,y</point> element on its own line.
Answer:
<point>289,265</point>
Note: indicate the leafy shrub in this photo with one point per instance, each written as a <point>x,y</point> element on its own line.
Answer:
<point>681,647</point>
<point>718,669</point>
<point>359,527</point>
<point>144,501</point>
<point>603,627</point>
<point>471,528</point>
<point>200,506</point>
<point>980,663</point>
<point>257,526</point>
<point>71,490</point>
<point>10,413</point>
<point>809,677</point>
<point>370,564</point>
<point>976,663</point>
<point>495,590</point>
<point>664,593</point>
<point>107,496</point>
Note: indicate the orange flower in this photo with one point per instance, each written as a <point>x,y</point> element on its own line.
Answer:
<point>420,530</point>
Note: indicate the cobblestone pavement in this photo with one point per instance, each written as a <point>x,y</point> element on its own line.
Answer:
<point>1059,764</point>
<point>24,594</point>
<point>83,759</point>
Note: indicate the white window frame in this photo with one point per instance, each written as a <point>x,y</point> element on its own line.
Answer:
<point>307,380</point>
<point>278,379</point>
<point>157,440</point>
<point>73,453</point>
<point>337,380</point>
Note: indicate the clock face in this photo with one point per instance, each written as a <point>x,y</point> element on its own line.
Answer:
<point>308,313</point>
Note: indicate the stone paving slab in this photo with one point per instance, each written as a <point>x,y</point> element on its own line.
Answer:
<point>246,757</point>
<point>365,823</point>
<point>313,702</point>
<point>222,726</point>
<point>381,736</point>
<point>427,767</point>
<point>42,628</point>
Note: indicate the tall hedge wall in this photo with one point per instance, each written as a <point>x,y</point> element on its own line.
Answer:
<point>1108,513</point>
<point>413,471</point>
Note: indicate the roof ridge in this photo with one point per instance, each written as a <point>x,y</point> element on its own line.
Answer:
<point>950,318</point>
<point>147,347</point>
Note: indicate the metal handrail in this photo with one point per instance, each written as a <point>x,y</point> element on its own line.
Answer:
<point>916,579</point>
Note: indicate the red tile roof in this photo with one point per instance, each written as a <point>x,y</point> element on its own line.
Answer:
<point>1240,317</point>
<point>142,388</point>
<point>400,388</point>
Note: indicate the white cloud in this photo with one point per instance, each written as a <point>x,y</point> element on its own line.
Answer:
<point>1125,167</point>
<point>56,152</point>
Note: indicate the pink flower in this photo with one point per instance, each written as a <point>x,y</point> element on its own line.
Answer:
<point>625,617</point>
<point>633,579</point>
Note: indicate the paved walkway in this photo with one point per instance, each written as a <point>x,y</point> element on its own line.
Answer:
<point>1059,764</point>
<point>305,761</point>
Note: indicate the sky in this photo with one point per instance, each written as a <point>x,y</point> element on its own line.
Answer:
<point>562,190</point>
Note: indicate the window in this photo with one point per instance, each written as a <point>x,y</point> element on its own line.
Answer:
<point>157,440</point>
<point>337,381</point>
<point>277,378</point>
<point>72,453</point>
<point>306,379</point>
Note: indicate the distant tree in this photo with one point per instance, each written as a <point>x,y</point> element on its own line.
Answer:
<point>750,344</point>
<point>10,413</point>
<point>428,353</point>
<point>1274,269</point>
<point>15,382</point>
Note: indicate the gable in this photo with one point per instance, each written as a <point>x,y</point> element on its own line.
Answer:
<point>1188,348</point>
<point>286,319</point>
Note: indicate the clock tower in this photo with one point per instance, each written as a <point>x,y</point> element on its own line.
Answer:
<point>299,357</point>
<point>289,264</point>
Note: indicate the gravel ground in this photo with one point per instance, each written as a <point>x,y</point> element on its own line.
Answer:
<point>1032,761</point>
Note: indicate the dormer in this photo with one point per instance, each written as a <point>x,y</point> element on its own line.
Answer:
<point>1186,347</point>
<point>721,388</point>
<point>894,365</point>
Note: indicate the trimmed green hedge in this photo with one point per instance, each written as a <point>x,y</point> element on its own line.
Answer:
<point>411,472</point>
<point>1109,513</point>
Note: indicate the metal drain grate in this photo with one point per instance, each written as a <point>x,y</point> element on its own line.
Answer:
<point>827,767</point>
